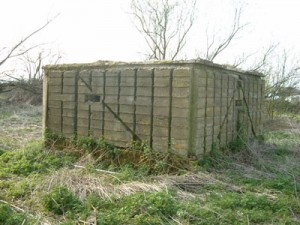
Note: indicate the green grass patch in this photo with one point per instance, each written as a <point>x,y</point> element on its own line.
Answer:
<point>10,217</point>
<point>281,183</point>
<point>5,115</point>
<point>218,207</point>
<point>32,159</point>
<point>61,200</point>
<point>237,208</point>
<point>281,151</point>
<point>19,189</point>
<point>2,151</point>
<point>283,138</point>
<point>144,208</point>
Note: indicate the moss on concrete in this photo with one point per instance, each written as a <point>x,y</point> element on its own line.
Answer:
<point>103,64</point>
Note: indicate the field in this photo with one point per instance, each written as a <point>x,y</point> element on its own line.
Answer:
<point>91,182</point>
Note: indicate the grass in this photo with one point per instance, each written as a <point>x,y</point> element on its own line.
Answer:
<point>19,123</point>
<point>93,182</point>
<point>10,217</point>
<point>32,159</point>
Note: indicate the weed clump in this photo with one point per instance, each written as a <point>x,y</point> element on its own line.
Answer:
<point>9,217</point>
<point>2,151</point>
<point>61,200</point>
<point>237,145</point>
<point>33,159</point>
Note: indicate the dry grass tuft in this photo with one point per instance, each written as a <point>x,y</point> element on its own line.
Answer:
<point>278,154</point>
<point>193,182</point>
<point>282,123</point>
<point>83,183</point>
<point>19,124</point>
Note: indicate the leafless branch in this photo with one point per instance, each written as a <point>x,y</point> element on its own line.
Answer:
<point>280,74</point>
<point>9,75</point>
<point>239,61</point>
<point>15,51</point>
<point>263,61</point>
<point>214,49</point>
<point>164,25</point>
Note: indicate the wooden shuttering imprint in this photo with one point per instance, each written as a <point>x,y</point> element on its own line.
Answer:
<point>183,107</point>
<point>121,105</point>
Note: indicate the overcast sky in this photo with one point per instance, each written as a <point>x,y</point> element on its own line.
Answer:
<point>91,30</point>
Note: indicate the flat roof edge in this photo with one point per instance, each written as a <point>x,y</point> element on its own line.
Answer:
<point>110,64</point>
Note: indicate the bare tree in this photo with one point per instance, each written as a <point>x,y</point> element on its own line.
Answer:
<point>215,44</point>
<point>30,77</point>
<point>164,25</point>
<point>255,61</point>
<point>33,63</point>
<point>282,77</point>
<point>283,73</point>
<point>262,63</point>
<point>12,78</point>
<point>280,68</point>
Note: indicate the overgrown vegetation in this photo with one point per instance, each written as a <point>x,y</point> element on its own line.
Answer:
<point>9,217</point>
<point>90,181</point>
<point>32,159</point>
<point>137,160</point>
<point>60,201</point>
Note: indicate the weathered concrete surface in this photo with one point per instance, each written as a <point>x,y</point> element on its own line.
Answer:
<point>185,107</point>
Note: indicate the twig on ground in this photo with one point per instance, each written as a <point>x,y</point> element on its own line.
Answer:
<point>98,170</point>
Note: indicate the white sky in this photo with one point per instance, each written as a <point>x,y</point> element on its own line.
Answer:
<point>90,30</point>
